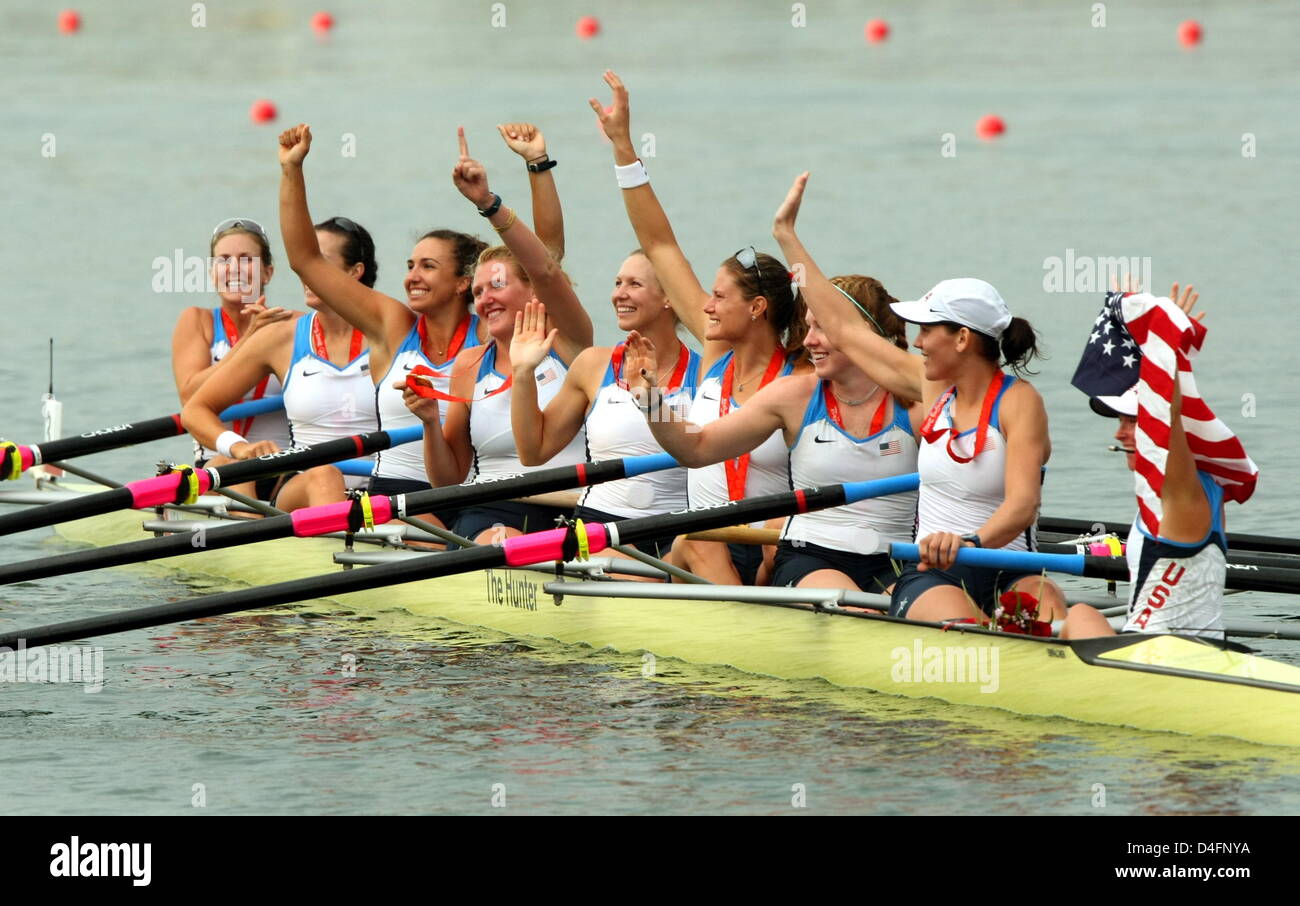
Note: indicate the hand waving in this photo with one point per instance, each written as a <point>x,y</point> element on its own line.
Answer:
<point>531,342</point>
<point>788,212</point>
<point>616,121</point>
<point>1188,301</point>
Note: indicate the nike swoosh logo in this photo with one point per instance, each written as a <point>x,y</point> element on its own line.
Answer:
<point>829,440</point>
<point>407,367</point>
<point>707,397</point>
<point>309,373</point>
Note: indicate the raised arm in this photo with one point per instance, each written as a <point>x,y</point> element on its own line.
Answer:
<point>192,339</point>
<point>653,231</point>
<point>549,283</point>
<point>239,373</point>
<point>738,433</point>
<point>526,140</point>
<point>898,371</point>
<point>539,435</point>
<point>382,319</point>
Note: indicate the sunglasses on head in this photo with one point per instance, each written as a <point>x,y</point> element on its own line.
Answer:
<point>347,225</point>
<point>239,223</point>
<point>748,259</point>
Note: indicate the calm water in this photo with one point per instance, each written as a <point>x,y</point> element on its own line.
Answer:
<point>1119,143</point>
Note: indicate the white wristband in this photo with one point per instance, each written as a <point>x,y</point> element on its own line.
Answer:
<point>631,175</point>
<point>226,440</point>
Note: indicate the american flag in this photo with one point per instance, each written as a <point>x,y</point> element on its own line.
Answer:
<point>1143,339</point>
<point>546,377</point>
<point>888,448</point>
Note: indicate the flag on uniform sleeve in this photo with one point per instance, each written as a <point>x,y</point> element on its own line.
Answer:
<point>1145,339</point>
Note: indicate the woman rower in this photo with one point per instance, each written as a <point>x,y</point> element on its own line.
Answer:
<point>839,426</point>
<point>241,269</point>
<point>596,398</point>
<point>751,325</point>
<point>476,438</point>
<point>323,366</point>
<point>984,441</point>
<point>436,321</point>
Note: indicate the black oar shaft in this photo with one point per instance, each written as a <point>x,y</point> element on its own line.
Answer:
<point>1237,541</point>
<point>1250,578</point>
<point>111,438</point>
<point>329,585</point>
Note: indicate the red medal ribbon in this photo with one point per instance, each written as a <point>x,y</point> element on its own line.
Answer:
<point>318,341</point>
<point>738,469</point>
<point>931,434</point>
<point>453,348</point>
<point>833,410</point>
<point>420,381</point>
<point>232,337</point>
<point>674,382</point>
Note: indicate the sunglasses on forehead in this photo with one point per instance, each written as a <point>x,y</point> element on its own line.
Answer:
<point>748,259</point>
<point>239,223</point>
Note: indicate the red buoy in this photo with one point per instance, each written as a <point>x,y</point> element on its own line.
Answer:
<point>876,31</point>
<point>69,21</point>
<point>588,27</point>
<point>262,111</point>
<point>990,127</point>
<point>322,22</point>
<point>1190,33</point>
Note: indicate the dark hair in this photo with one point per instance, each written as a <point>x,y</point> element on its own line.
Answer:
<point>358,247</point>
<point>466,248</point>
<point>785,307</point>
<point>1017,348</point>
<point>875,299</point>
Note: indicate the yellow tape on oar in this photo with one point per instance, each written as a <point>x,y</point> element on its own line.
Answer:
<point>1115,545</point>
<point>15,460</point>
<point>584,545</point>
<point>189,484</point>
<point>367,513</point>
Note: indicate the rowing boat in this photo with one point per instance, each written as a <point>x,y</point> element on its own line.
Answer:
<point>1161,683</point>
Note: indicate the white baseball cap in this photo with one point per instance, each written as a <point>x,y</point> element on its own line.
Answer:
<point>1115,406</point>
<point>966,301</point>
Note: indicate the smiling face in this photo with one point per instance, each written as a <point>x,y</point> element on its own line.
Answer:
<point>432,276</point>
<point>828,362</point>
<point>731,315</point>
<point>942,349</point>
<point>1126,436</point>
<point>237,270</point>
<point>638,299</point>
<point>500,292</point>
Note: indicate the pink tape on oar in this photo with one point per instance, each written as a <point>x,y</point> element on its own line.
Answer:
<point>150,492</point>
<point>333,517</point>
<point>538,547</point>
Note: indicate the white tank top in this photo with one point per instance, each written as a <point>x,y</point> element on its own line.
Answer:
<point>616,428</point>
<point>323,401</point>
<point>407,461</point>
<point>824,454</point>
<point>490,433</point>
<point>267,426</point>
<point>769,465</point>
<point>960,497</point>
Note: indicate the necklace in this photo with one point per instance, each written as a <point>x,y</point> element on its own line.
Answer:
<point>856,402</point>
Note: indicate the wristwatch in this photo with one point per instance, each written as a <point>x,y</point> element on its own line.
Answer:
<point>493,207</point>
<point>973,538</point>
<point>541,165</point>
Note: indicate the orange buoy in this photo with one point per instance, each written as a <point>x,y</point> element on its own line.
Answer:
<point>588,27</point>
<point>990,127</point>
<point>69,21</point>
<point>1190,33</point>
<point>322,22</point>
<point>262,111</point>
<point>876,31</point>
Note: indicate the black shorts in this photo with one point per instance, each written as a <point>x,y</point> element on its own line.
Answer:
<point>870,572</point>
<point>983,585</point>
<point>655,547</point>
<point>392,487</point>
<point>746,558</point>
<point>525,517</point>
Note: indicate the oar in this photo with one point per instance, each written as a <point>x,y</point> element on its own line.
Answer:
<point>522,550</point>
<point>1258,578</point>
<point>1235,560</point>
<point>1237,541</point>
<point>17,458</point>
<point>333,517</point>
<point>180,486</point>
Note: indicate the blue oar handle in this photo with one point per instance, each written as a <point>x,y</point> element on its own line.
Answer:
<point>397,436</point>
<point>655,462</point>
<point>252,407</point>
<point>881,487</point>
<point>1020,561</point>
<point>400,436</point>
<point>359,467</point>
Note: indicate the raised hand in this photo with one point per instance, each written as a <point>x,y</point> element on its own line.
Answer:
<point>640,362</point>
<point>788,212</point>
<point>531,342</point>
<point>524,139</point>
<point>1187,302</point>
<point>423,408</point>
<point>295,142</point>
<point>616,121</point>
<point>263,316</point>
<point>469,175</point>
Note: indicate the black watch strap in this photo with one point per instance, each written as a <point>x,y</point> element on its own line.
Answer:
<point>541,165</point>
<point>973,538</point>
<point>493,207</point>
